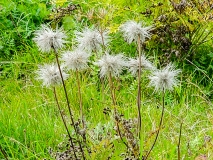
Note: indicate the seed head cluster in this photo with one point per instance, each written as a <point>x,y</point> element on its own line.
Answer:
<point>165,79</point>
<point>49,74</point>
<point>75,60</point>
<point>91,39</point>
<point>132,30</point>
<point>133,65</point>
<point>113,64</point>
<point>47,38</point>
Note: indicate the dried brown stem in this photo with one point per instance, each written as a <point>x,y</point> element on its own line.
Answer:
<point>115,111</point>
<point>80,98</point>
<point>179,140</point>
<point>62,117</point>
<point>160,125</point>
<point>139,87</point>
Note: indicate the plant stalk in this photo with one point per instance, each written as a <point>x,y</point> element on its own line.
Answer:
<point>115,111</point>
<point>160,125</point>
<point>179,140</point>
<point>62,117</point>
<point>67,99</point>
<point>80,98</point>
<point>139,88</point>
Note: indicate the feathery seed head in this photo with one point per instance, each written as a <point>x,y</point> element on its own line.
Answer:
<point>46,38</point>
<point>91,40</point>
<point>133,64</point>
<point>165,79</point>
<point>113,64</point>
<point>50,75</point>
<point>131,30</point>
<point>75,60</point>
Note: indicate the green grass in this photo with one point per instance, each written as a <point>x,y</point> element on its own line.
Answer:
<point>30,122</point>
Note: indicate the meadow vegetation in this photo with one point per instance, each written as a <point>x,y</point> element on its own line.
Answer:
<point>115,116</point>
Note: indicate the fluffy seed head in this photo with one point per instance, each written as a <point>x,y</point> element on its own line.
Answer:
<point>91,40</point>
<point>49,74</point>
<point>47,38</point>
<point>133,65</point>
<point>165,79</point>
<point>113,64</point>
<point>75,60</point>
<point>131,30</point>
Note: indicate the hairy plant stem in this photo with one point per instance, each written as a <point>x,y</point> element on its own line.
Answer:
<point>139,88</point>
<point>3,152</point>
<point>62,117</point>
<point>68,104</point>
<point>158,131</point>
<point>115,110</point>
<point>179,140</point>
<point>80,98</point>
<point>104,49</point>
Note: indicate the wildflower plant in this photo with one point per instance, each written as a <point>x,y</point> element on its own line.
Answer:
<point>49,74</point>
<point>47,39</point>
<point>162,80</point>
<point>135,32</point>
<point>112,66</point>
<point>77,60</point>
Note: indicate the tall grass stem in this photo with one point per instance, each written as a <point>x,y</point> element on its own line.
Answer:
<point>3,152</point>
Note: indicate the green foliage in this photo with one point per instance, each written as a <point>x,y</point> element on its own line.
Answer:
<point>18,20</point>
<point>29,120</point>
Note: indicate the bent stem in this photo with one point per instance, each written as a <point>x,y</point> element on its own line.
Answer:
<point>179,140</point>
<point>68,104</point>
<point>3,152</point>
<point>115,111</point>
<point>80,98</point>
<point>158,131</point>
<point>139,88</point>
<point>62,117</point>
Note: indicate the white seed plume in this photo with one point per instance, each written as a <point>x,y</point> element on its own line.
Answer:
<point>131,30</point>
<point>75,60</point>
<point>47,38</point>
<point>49,74</point>
<point>91,39</point>
<point>165,79</point>
<point>113,64</point>
<point>133,65</point>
